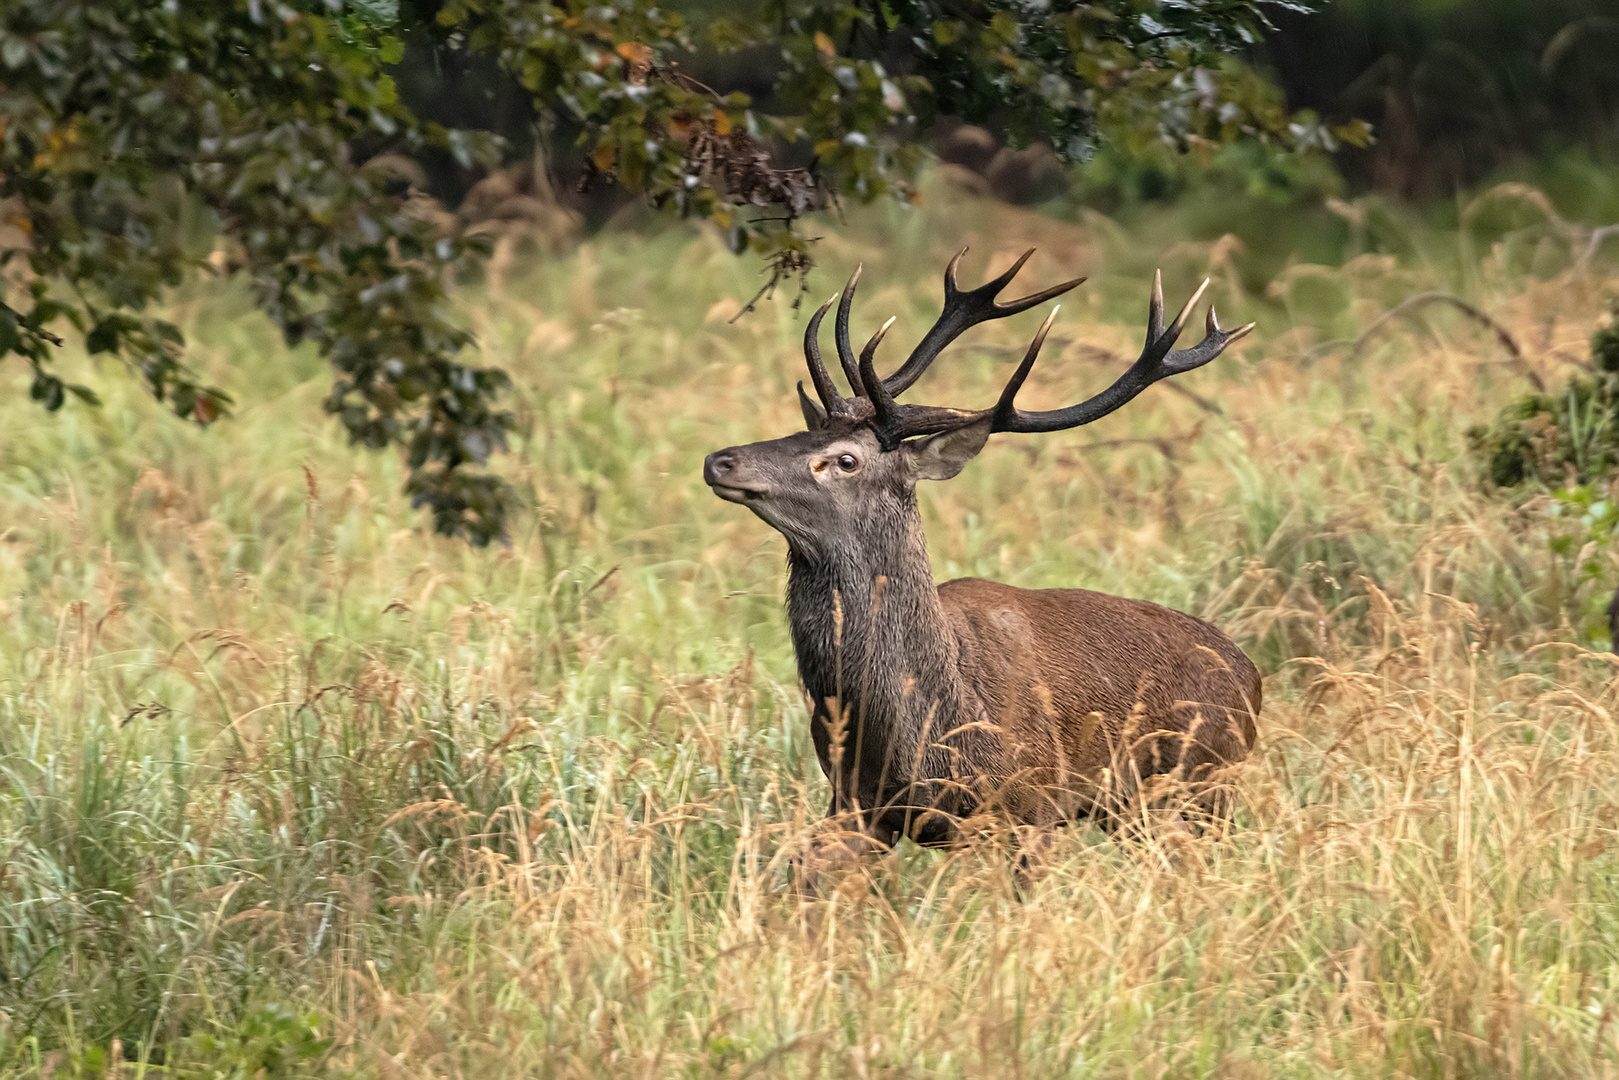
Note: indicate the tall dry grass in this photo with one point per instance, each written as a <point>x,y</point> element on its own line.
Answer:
<point>287,785</point>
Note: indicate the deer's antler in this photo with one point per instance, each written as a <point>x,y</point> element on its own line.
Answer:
<point>823,382</point>
<point>1159,360</point>
<point>964,310</point>
<point>893,422</point>
<point>855,407</point>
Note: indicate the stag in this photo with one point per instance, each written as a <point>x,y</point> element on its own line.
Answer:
<point>933,704</point>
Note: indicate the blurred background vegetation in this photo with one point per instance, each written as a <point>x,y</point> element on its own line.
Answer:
<point>1462,96</point>
<point>1457,91</point>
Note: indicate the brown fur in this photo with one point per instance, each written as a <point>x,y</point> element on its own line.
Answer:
<point>1094,693</point>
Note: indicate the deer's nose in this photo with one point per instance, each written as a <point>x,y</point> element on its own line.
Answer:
<point>717,467</point>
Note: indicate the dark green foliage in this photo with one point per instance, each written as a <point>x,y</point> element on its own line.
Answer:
<point>137,136</point>
<point>142,142</point>
<point>858,83</point>
<point>1555,440</point>
<point>1072,74</point>
<point>1605,349</point>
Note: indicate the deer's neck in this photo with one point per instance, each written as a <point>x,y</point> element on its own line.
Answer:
<point>870,634</point>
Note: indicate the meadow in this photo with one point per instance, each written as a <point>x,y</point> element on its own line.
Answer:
<point>289,787</point>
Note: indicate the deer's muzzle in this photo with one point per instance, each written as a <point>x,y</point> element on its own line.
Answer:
<point>722,471</point>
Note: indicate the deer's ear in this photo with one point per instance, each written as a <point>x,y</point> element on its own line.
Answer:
<point>941,456</point>
<point>814,415</point>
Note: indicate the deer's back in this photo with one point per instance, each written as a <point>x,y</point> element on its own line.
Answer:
<point>1074,675</point>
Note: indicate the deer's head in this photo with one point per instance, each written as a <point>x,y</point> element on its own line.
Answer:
<point>861,456</point>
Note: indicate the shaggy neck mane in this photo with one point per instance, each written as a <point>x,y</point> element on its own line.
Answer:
<point>870,633</point>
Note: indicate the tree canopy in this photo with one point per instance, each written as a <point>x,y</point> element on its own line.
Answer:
<point>141,142</point>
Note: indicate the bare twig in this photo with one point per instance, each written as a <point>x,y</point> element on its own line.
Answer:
<point>601,581</point>
<point>673,72</point>
<point>1316,352</point>
<point>1422,300</point>
<point>1598,235</point>
<point>1164,444</point>
<point>1197,399</point>
<point>1568,357</point>
<point>782,264</point>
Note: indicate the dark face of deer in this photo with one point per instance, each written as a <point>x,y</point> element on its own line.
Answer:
<point>830,483</point>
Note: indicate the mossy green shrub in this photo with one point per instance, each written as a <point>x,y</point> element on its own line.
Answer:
<point>1605,348</point>
<point>1567,444</point>
<point>1561,439</point>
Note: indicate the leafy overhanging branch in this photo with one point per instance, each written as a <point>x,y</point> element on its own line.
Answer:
<point>141,142</point>
<point>137,135</point>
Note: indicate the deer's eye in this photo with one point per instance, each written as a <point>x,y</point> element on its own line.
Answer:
<point>848,463</point>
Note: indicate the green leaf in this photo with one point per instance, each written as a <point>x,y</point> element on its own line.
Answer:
<point>10,340</point>
<point>167,331</point>
<point>47,390</point>
<point>252,138</point>
<point>103,337</point>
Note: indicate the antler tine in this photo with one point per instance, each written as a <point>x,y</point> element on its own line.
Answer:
<point>1155,307</point>
<point>1005,277</point>
<point>1005,410</point>
<point>896,423</point>
<point>964,310</point>
<point>1213,344</point>
<point>881,401</point>
<point>1023,303</point>
<point>950,287</point>
<point>1175,328</point>
<point>1158,360</point>
<point>851,369</point>
<point>812,354</point>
